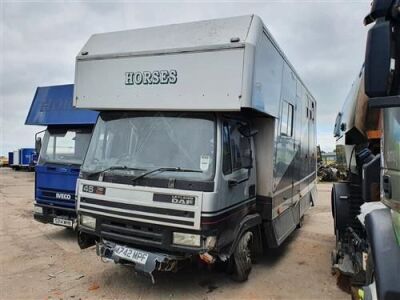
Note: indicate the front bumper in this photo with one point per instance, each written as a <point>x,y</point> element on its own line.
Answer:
<point>49,213</point>
<point>142,235</point>
<point>155,261</point>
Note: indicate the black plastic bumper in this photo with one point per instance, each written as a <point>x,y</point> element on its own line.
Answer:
<point>51,212</point>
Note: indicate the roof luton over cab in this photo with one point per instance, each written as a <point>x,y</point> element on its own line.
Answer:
<point>204,147</point>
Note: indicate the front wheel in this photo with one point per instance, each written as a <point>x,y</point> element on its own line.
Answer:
<point>85,240</point>
<point>242,255</point>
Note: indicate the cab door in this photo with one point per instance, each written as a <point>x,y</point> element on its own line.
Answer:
<point>238,171</point>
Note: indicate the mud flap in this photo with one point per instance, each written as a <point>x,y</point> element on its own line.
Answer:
<point>248,222</point>
<point>314,197</point>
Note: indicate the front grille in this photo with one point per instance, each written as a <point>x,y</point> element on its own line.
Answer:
<point>153,214</point>
<point>49,197</point>
<point>130,233</point>
<point>47,194</point>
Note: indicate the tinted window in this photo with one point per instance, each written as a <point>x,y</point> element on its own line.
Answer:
<point>233,142</point>
<point>226,157</point>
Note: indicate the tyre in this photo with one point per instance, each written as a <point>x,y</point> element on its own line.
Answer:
<point>301,222</point>
<point>85,240</point>
<point>242,257</point>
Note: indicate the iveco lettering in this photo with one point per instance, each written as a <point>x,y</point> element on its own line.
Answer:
<point>204,148</point>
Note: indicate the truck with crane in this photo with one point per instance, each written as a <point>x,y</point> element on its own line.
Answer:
<point>366,207</point>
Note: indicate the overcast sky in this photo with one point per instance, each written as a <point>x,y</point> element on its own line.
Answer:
<point>324,40</point>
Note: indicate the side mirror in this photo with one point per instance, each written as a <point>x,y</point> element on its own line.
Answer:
<point>246,153</point>
<point>337,129</point>
<point>377,60</point>
<point>38,145</point>
<point>379,9</point>
<point>246,131</point>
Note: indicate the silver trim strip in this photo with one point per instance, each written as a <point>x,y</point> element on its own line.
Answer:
<point>141,220</point>
<point>211,214</point>
<point>292,185</point>
<point>136,212</point>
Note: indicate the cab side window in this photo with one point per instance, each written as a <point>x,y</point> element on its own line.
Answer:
<point>226,156</point>
<point>234,143</point>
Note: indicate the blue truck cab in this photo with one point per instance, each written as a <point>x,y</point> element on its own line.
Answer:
<point>61,152</point>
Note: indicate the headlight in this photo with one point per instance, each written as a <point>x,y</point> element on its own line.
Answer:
<point>186,239</point>
<point>88,221</point>
<point>38,209</point>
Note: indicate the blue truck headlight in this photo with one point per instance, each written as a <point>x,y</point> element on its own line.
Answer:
<point>186,239</point>
<point>88,221</point>
<point>38,209</point>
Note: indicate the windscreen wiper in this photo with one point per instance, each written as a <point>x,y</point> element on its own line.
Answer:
<point>164,169</point>
<point>101,173</point>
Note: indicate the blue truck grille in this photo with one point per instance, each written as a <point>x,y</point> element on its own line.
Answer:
<point>57,198</point>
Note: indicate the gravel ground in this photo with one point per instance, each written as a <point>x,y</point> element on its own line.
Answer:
<point>40,261</point>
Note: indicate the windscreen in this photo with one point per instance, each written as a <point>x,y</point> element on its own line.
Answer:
<point>147,141</point>
<point>64,146</point>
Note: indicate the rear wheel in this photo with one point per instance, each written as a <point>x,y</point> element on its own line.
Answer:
<point>242,257</point>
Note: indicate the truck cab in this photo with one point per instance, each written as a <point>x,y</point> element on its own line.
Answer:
<point>195,154</point>
<point>62,149</point>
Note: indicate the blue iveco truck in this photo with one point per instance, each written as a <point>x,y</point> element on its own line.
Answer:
<point>61,152</point>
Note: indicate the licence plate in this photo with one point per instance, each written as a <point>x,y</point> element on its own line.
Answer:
<point>62,222</point>
<point>131,254</point>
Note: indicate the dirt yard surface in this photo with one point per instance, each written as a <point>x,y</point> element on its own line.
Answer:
<point>40,261</point>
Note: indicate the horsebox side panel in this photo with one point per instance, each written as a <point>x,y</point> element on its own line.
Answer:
<point>203,81</point>
<point>267,77</point>
<point>264,147</point>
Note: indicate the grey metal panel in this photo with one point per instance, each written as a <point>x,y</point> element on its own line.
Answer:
<point>264,152</point>
<point>267,83</point>
<point>214,72</point>
<point>205,81</point>
<point>168,38</point>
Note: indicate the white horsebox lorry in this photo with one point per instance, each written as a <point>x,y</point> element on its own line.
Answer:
<point>204,147</point>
